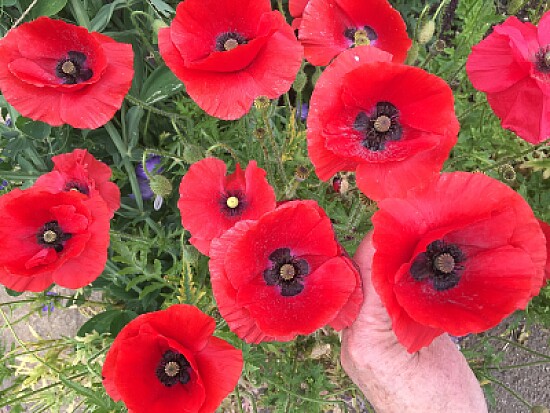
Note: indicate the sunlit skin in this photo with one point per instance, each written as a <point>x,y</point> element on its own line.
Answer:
<point>435,379</point>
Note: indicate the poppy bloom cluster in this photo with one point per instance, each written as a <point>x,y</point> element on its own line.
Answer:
<point>59,73</point>
<point>457,257</point>
<point>284,274</point>
<point>57,231</point>
<point>229,52</point>
<point>211,201</point>
<point>328,27</point>
<point>512,66</point>
<point>168,361</point>
<point>394,125</point>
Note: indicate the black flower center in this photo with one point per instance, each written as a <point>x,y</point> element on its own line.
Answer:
<point>232,203</point>
<point>77,186</point>
<point>442,264</point>
<point>361,35</point>
<point>380,126</point>
<point>287,272</point>
<point>173,368</point>
<point>542,59</point>
<point>52,236</point>
<point>72,69</point>
<point>229,41</point>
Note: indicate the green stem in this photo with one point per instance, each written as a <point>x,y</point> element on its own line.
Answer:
<point>80,15</point>
<point>123,150</point>
<point>526,349</point>
<point>153,109</point>
<point>164,154</point>
<point>239,401</point>
<point>509,390</point>
<point>511,158</point>
<point>517,366</point>
<point>301,396</point>
<point>274,145</point>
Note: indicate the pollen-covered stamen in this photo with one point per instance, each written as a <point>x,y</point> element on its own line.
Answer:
<point>380,125</point>
<point>52,236</point>
<point>232,202</point>
<point>287,272</point>
<point>228,41</point>
<point>542,60</point>
<point>362,35</point>
<point>173,368</point>
<point>72,68</point>
<point>444,263</point>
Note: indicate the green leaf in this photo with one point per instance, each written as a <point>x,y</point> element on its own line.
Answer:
<point>160,85</point>
<point>12,293</point>
<point>34,129</point>
<point>46,8</point>
<point>110,321</point>
<point>103,16</point>
<point>165,9</point>
<point>86,392</point>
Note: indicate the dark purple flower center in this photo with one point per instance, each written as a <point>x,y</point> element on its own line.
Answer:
<point>441,264</point>
<point>379,126</point>
<point>173,368</point>
<point>287,272</point>
<point>542,59</point>
<point>77,186</point>
<point>232,203</point>
<point>366,31</point>
<point>229,41</point>
<point>72,69</point>
<point>52,236</point>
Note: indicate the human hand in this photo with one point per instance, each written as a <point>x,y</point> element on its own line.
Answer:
<point>435,379</point>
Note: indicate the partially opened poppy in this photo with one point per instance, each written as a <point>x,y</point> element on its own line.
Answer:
<point>328,27</point>
<point>59,73</point>
<point>457,257</point>
<point>512,66</point>
<point>394,125</point>
<point>168,361</point>
<point>229,52</point>
<point>80,171</point>
<point>50,238</point>
<point>283,275</point>
<point>211,202</point>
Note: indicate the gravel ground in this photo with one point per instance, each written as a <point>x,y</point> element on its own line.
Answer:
<point>532,383</point>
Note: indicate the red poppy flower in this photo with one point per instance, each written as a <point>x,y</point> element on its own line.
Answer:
<point>229,52</point>
<point>50,238</point>
<point>59,73</point>
<point>329,27</point>
<point>546,231</point>
<point>394,125</point>
<point>512,66</point>
<point>458,257</point>
<point>210,202</point>
<point>168,361</point>
<point>284,274</point>
<point>80,171</point>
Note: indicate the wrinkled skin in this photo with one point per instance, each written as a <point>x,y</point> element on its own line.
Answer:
<point>435,379</point>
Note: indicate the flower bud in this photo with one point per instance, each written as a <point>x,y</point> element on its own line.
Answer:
<point>300,82</point>
<point>160,185</point>
<point>426,32</point>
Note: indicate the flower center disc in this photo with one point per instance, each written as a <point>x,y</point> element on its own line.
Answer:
<point>547,59</point>
<point>361,38</point>
<point>230,44</point>
<point>382,124</point>
<point>444,263</point>
<point>287,272</point>
<point>172,369</point>
<point>49,237</point>
<point>68,68</point>
<point>232,202</point>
